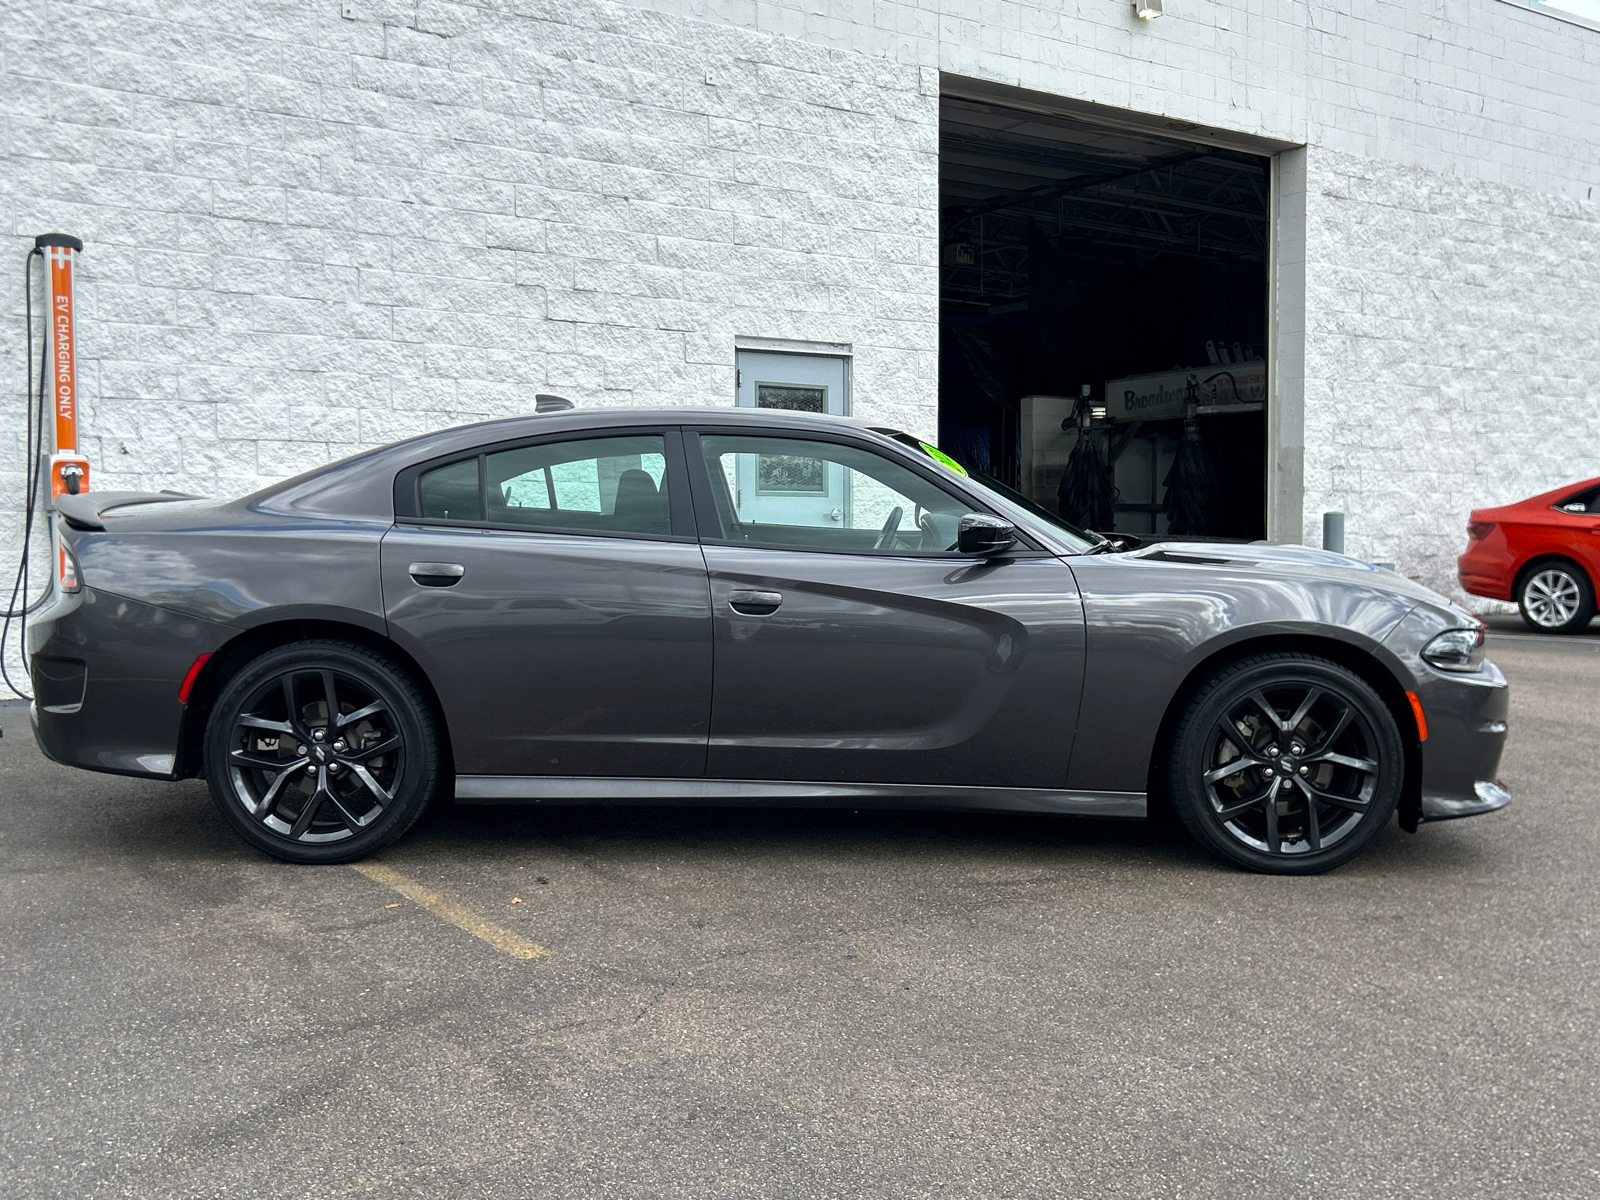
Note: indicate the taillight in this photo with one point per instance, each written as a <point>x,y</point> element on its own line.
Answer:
<point>1478,530</point>
<point>67,574</point>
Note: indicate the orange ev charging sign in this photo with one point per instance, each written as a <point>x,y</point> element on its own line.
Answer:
<point>69,471</point>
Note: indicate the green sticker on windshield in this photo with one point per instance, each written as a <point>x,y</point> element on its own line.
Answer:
<point>943,459</point>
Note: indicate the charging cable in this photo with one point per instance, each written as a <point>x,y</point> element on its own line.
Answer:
<point>33,455</point>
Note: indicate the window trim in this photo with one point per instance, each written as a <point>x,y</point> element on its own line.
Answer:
<point>680,507</point>
<point>710,523</point>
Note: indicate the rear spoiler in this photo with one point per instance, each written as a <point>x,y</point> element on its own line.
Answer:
<point>88,510</point>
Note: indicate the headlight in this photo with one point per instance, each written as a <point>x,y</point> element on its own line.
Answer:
<point>1456,650</point>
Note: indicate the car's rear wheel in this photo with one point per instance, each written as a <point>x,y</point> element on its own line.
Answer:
<point>1555,597</point>
<point>1286,763</point>
<point>321,752</point>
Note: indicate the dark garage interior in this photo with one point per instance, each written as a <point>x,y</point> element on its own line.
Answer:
<point>1078,254</point>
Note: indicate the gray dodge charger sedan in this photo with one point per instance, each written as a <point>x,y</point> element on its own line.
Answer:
<point>742,606</point>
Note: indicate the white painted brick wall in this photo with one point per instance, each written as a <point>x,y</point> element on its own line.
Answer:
<point>318,226</point>
<point>313,228</point>
<point>1452,354</point>
<point>308,233</point>
<point>1453,252</point>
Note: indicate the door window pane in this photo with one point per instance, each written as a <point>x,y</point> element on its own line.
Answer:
<point>610,485</point>
<point>827,497</point>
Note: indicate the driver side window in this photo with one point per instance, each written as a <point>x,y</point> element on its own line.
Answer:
<point>814,495</point>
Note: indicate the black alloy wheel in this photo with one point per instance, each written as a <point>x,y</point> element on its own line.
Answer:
<point>1555,597</point>
<point>321,752</point>
<point>1286,763</point>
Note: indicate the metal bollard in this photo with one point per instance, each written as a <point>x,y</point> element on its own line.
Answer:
<point>1333,532</point>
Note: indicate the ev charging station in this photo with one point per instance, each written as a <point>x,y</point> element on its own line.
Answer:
<point>68,470</point>
<point>52,425</point>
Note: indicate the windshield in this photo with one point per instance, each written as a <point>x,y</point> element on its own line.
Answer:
<point>1079,539</point>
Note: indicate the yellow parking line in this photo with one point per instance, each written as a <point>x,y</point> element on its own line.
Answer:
<point>462,918</point>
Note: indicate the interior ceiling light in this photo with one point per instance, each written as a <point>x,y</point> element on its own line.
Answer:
<point>1147,10</point>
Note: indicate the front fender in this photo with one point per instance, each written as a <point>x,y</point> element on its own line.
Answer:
<point>1151,624</point>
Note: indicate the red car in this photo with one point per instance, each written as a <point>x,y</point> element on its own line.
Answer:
<point>1543,552</point>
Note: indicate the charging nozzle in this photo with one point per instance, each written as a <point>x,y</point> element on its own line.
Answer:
<point>69,474</point>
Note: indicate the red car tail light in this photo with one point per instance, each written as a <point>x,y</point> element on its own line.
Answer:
<point>1478,530</point>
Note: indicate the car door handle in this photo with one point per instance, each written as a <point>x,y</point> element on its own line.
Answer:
<point>754,604</point>
<point>432,574</point>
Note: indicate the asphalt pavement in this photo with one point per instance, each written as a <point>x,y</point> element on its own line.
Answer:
<point>772,1003</point>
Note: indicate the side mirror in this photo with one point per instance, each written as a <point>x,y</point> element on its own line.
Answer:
<point>1122,542</point>
<point>980,533</point>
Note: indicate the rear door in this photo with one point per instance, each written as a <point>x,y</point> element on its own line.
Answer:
<point>862,648</point>
<point>1578,518</point>
<point>554,593</point>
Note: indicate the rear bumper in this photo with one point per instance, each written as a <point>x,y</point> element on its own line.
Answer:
<point>1483,572</point>
<point>106,672</point>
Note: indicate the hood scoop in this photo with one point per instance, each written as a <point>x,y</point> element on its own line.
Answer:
<point>1193,557</point>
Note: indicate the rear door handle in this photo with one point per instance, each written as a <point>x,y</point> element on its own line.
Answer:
<point>436,574</point>
<point>754,604</point>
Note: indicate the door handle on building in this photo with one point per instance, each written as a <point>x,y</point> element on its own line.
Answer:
<point>754,604</point>
<point>836,515</point>
<point>436,574</point>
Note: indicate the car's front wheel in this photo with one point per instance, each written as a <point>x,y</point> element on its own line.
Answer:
<point>1286,763</point>
<point>321,752</point>
<point>1555,597</point>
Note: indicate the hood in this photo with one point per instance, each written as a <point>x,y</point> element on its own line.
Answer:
<point>1296,560</point>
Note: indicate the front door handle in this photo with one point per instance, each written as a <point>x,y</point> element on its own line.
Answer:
<point>755,604</point>
<point>436,574</point>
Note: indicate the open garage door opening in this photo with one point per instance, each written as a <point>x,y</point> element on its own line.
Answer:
<point>1081,255</point>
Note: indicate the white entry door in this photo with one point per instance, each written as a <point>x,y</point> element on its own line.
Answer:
<point>788,489</point>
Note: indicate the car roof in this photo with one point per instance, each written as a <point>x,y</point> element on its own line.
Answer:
<point>362,486</point>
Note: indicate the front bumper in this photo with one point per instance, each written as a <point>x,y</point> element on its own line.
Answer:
<point>1489,797</point>
<point>106,672</point>
<point>1466,718</point>
<point>1467,729</point>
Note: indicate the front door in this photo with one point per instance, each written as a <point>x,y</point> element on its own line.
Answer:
<point>865,649</point>
<point>555,596</point>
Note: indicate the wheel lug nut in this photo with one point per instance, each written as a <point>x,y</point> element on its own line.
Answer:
<point>1272,751</point>
<point>299,750</point>
<point>332,767</point>
<point>1297,748</point>
<point>339,745</point>
<point>1305,770</point>
<point>318,734</point>
<point>1268,772</point>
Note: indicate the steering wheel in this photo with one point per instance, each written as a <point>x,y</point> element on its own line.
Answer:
<point>889,527</point>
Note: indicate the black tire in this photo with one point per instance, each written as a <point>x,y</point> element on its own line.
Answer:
<point>365,781</point>
<point>1345,764</point>
<point>1555,596</point>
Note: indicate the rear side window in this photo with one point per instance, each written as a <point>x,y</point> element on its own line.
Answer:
<point>451,493</point>
<point>1583,502</point>
<point>596,485</point>
<point>603,485</point>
